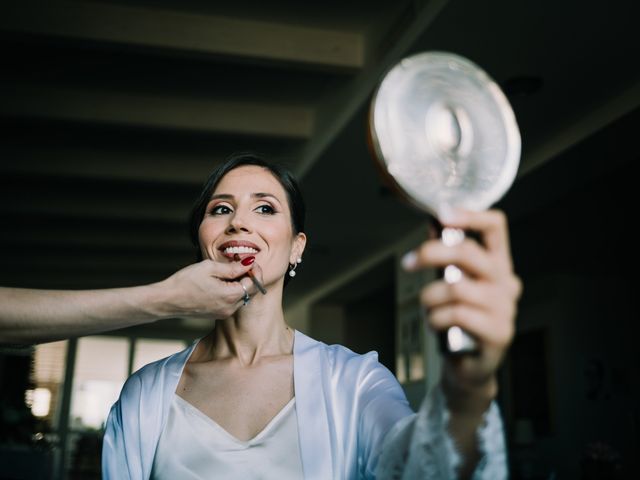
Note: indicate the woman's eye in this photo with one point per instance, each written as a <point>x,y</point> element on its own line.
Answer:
<point>220,210</point>
<point>265,209</point>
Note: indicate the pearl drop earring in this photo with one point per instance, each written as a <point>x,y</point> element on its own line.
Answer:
<point>292,268</point>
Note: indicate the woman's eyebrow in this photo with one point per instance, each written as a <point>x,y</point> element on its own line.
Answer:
<point>226,196</point>
<point>263,195</point>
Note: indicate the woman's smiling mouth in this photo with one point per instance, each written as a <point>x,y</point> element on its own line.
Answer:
<point>229,249</point>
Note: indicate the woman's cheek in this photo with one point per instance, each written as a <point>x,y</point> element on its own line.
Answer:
<point>272,271</point>
<point>207,234</point>
<point>274,268</point>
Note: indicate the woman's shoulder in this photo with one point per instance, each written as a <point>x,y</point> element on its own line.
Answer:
<point>156,374</point>
<point>362,378</point>
<point>343,361</point>
<point>339,354</point>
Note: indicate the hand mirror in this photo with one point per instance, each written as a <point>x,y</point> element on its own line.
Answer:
<point>445,136</point>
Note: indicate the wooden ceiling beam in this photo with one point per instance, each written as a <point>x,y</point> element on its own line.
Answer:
<point>79,162</point>
<point>106,208</point>
<point>35,237</point>
<point>83,201</point>
<point>157,111</point>
<point>174,32</point>
<point>342,104</point>
<point>590,122</point>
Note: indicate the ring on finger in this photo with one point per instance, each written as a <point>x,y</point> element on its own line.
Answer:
<point>245,297</point>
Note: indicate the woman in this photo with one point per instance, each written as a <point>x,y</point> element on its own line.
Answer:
<point>255,399</point>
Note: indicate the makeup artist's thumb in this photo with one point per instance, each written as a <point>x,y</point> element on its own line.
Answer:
<point>232,271</point>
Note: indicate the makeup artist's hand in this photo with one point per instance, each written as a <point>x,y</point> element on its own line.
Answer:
<point>483,302</point>
<point>208,289</point>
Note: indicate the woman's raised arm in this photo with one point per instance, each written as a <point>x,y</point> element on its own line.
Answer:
<point>483,303</point>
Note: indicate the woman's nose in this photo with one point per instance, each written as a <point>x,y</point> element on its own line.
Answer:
<point>237,223</point>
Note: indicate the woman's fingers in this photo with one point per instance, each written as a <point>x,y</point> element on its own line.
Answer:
<point>491,261</point>
<point>487,298</point>
<point>478,322</point>
<point>483,302</point>
<point>468,255</point>
<point>440,293</point>
<point>491,224</point>
<point>474,292</point>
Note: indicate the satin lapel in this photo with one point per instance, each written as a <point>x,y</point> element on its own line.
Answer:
<point>311,408</point>
<point>173,369</point>
<point>156,410</point>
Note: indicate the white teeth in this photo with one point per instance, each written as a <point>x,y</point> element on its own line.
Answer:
<point>240,250</point>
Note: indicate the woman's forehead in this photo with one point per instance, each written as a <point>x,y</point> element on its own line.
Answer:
<point>250,179</point>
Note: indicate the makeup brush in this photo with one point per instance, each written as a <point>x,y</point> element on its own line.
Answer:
<point>253,278</point>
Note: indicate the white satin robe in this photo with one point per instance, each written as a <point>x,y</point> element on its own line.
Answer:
<point>346,404</point>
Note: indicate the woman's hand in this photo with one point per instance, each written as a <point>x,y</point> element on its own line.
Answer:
<point>206,289</point>
<point>483,302</point>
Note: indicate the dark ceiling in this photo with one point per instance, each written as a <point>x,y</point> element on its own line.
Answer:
<point>114,112</point>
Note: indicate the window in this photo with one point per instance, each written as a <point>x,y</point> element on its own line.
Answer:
<point>101,369</point>
<point>147,351</point>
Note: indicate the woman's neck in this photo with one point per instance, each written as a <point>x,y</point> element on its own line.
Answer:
<point>255,330</point>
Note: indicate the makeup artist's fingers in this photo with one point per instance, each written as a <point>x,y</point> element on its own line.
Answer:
<point>246,283</point>
<point>227,271</point>
<point>248,286</point>
<point>201,289</point>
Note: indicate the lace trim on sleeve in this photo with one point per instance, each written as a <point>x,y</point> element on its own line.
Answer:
<point>493,461</point>
<point>421,447</point>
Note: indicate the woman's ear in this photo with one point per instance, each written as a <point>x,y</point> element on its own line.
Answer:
<point>299,243</point>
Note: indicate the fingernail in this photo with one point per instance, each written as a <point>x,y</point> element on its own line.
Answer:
<point>409,260</point>
<point>246,261</point>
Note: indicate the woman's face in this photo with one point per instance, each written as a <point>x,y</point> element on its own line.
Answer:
<point>249,214</point>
